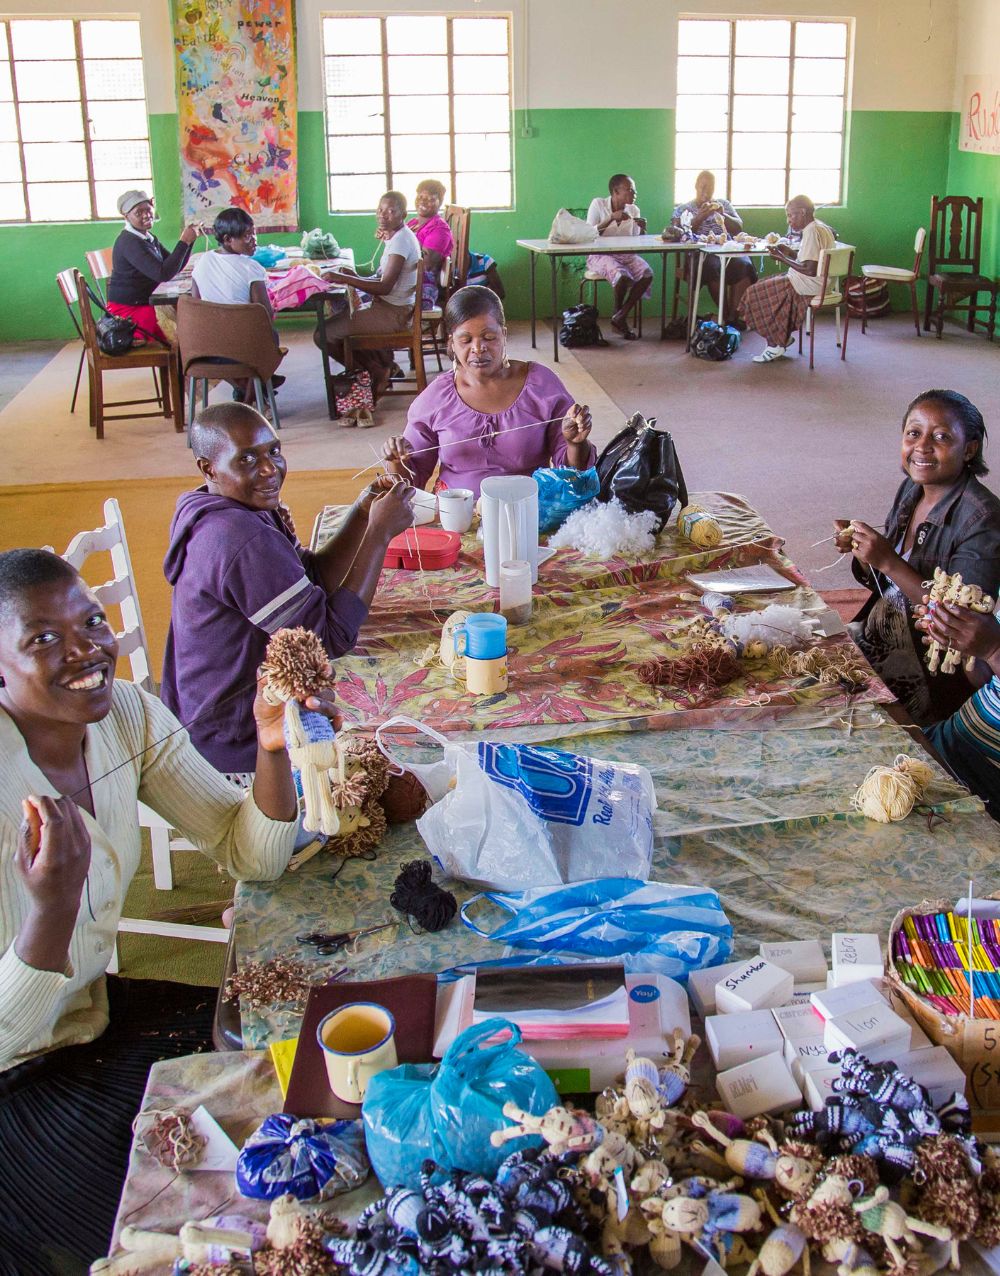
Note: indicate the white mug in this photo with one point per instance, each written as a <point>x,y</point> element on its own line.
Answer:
<point>357,1042</point>
<point>456,506</point>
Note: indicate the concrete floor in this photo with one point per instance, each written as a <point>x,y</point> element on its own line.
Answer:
<point>20,362</point>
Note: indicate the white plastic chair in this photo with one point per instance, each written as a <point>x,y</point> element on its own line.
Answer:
<point>833,265</point>
<point>899,275</point>
<point>121,591</point>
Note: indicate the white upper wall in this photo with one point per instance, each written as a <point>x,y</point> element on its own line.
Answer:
<point>978,43</point>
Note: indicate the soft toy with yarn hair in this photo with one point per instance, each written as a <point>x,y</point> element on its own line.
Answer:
<point>563,1129</point>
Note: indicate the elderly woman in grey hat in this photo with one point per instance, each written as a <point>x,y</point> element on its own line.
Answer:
<point>139,263</point>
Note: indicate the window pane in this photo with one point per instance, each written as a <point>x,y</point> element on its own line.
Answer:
<point>356,154</point>
<point>487,151</point>
<point>816,150</point>
<point>707,112</point>
<point>8,122</point>
<point>417,75</point>
<point>821,114</point>
<point>47,81</point>
<point>483,190</point>
<point>416,35</point>
<point>354,114</point>
<point>49,161</point>
<point>42,40</point>
<point>684,184</point>
<point>703,75</point>
<point>419,114</point>
<point>764,39</point>
<point>352,75</point>
<point>352,35</point>
<point>758,187</point>
<point>10,162</point>
<point>4,50</point>
<point>821,39</point>
<point>819,75</point>
<point>51,122</point>
<point>107,196</point>
<point>127,160</point>
<point>761,75</point>
<point>759,150</point>
<point>59,202</point>
<point>413,154</point>
<point>481,75</point>
<point>488,114</point>
<point>821,185</point>
<point>6,87</point>
<point>760,114</point>
<point>479,35</point>
<point>702,37</point>
<point>700,150</point>
<point>356,194</point>
<point>11,203</point>
<point>110,39</point>
<point>114,79</point>
<point>118,119</point>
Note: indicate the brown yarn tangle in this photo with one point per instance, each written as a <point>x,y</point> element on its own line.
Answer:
<point>306,1256</point>
<point>363,839</point>
<point>296,664</point>
<point>261,984</point>
<point>706,668</point>
<point>172,1140</point>
<point>826,667</point>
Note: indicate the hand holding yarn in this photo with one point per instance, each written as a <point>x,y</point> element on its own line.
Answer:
<point>576,424</point>
<point>270,717</point>
<point>870,547</point>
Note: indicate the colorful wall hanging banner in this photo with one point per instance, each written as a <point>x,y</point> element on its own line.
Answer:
<point>237,109</point>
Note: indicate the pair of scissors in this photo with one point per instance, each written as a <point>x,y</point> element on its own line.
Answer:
<point>327,944</point>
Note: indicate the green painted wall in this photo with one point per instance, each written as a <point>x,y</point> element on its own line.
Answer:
<point>897,160</point>
<point>975,175</point>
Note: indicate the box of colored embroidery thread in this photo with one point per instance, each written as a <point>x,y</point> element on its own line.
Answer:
<point>946,969</point>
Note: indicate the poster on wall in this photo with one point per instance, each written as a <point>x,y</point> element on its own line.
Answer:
<point>979,125</point>
<point>236,107</point>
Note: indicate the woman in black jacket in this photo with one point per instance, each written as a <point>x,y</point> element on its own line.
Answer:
<point>942,517</point>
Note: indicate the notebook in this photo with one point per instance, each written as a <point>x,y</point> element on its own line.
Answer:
<point>410,999</point>
<point>742,580</point>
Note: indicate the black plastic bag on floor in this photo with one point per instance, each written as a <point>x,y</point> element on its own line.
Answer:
<point>580,327</point>
<point>714,343</point>
<point>641,468</point>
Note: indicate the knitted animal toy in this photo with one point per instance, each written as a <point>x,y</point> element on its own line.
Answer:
<point>987,1231</point>
<point>563,1129</point>
<point>196,1242</point>
<point>760,1158</point>
<point>828,1218</point>
<point>947,1191</point>
<point>889,1221</point>
<point>950,589</point>
<point>295,667</point>
<point>706,1219</point>
<point>649,1089</point>
<point>358,781</point>
<point>783,1248</point>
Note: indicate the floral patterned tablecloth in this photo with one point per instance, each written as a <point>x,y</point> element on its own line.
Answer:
<point>594,621</point>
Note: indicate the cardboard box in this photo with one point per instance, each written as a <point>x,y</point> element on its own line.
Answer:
<point>802,958</point>
<point>841,1001</point>
<point>701,986</point>
<point>764,1085</point>
<point>875,1031</point>
<point>736,1039</point>
<point>855,957</point>
<point>756,985</point>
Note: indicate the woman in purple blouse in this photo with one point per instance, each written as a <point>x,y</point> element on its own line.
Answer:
<point>490,415</point>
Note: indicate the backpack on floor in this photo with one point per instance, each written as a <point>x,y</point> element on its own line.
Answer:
<point>714,343</point>
<point>580,327</point>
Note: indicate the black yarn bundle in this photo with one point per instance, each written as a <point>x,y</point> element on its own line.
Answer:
<point>428,904</point>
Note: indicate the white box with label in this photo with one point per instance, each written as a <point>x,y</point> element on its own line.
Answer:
<point>802,958</point>
<point>701,986</point>
<point>855,957</point>
<point>805,1048</point>
<point>764,1085</point>
<point>875,1031</point>
<point>818,1086</point>
<point>798,1020</point>
<point>756,985</point>
<point>935,1070</point>
<point>842,1001</point>
<point>736,1039</point>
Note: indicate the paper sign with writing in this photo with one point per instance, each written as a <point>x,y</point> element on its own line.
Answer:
<point>979,123</point>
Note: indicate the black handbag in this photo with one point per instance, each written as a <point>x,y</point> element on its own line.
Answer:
<point>115,333</point>
<point>714,343</point>
<point>580,328</point>
<point>641,468</point>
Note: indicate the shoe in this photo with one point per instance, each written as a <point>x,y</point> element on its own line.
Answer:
<point>769,354</point>
<point>396,373</point>
<point>239,396</point>
<point>365,419</point>
<point>277,380</point>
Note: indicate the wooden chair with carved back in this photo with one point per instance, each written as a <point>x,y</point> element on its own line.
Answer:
<point>953,265</point>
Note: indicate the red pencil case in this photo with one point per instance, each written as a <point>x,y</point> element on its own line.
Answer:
<point>426,547</point>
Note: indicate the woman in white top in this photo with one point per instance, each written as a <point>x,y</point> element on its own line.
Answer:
<point>78,749</point>
<point>627,273</point>
<point>392,290</point>
<point>229,276</point>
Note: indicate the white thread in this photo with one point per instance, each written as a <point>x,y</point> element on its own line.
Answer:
<point>439,447</point>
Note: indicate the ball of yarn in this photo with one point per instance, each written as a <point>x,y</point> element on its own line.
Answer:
<point>404,799</point>
<point>699,526</point>
<point>889,793</point>
<point>413,892</point>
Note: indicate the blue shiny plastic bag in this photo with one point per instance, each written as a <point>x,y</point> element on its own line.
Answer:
<point>269,255</point>
<point>652,926</point>
<point>448,1111</point>
<point>560,493</point>
<point>312,1161</point>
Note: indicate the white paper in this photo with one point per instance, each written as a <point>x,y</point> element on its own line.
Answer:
<point>219,1152</point>
<point>742,580</point>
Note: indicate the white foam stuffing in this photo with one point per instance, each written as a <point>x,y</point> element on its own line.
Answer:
<point>607,531</point>
<point>775,624</point>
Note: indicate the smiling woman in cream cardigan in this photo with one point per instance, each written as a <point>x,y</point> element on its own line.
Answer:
<point>78,749</point>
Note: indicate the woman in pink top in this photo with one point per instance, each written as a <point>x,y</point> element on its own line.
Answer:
<point>433,235</point>
<point>490,415</point>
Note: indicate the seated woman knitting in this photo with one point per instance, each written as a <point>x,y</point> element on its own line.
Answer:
<point>79,748</point>
<point>628,274</point>
<point>942,517</point>
<point>490,415</point>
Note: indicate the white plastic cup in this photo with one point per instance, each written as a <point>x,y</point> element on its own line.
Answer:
<point>456,506</point>
<point>515,591</point>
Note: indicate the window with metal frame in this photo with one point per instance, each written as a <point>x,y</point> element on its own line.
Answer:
<point>74,132</point>
<point>761,102</point>
<point>417,96</point>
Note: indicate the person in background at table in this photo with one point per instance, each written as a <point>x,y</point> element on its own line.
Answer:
<point>706,215</point>
<point>943,516</point>
<point>775,307</point>
<point>239,574</point>
<point>618,217</point>
<point>140,263</point>
<point>433,235</point>
<point>489,415</point>
<point>392,292</point>
<point>230,276</point>
<point>79,748</point>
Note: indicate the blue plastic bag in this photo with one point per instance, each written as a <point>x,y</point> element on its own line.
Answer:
<point>312,1161</point>
<point>448,1111</point>
<point>561,492</point>
<point>653,926</point>
<point>269,255</point>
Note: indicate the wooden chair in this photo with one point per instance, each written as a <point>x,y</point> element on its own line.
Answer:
<point>896,275</point>
<point>99,264</point>
<point>953,261</point>
<point>834,264</point>
<point>161,359</point>
<point>241,336</point>
<point>409,339</point>
<point>454,275</point>
<point>67,290</point>
<point>120,591</point>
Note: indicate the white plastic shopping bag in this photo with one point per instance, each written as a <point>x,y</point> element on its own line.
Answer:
<point>515,816</point>
<point>567,229</point>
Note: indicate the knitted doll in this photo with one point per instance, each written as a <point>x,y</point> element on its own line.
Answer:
<point>563,1129</point>
<point>947,1191</point>
<point>707,1219</point>
<point>889,1221</point>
